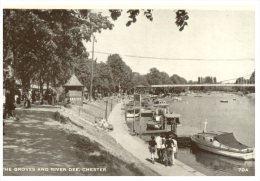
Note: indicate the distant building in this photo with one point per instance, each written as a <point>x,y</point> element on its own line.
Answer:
<point>74,90</point>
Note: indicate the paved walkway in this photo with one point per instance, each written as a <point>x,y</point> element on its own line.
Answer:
<point>139,148</point>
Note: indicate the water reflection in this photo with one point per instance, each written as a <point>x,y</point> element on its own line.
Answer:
<point>237,116</point>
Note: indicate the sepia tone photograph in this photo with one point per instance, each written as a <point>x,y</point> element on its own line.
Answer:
<point>129,92</point>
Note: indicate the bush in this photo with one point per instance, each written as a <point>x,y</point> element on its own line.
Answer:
<point>62,119</point>
<point>57,116</point>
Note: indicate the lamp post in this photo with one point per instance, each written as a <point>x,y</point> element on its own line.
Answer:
<point>92,60</point>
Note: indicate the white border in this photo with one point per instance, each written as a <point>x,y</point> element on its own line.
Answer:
<point>163,4</point>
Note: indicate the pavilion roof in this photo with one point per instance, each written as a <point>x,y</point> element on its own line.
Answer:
<point>73,82</point>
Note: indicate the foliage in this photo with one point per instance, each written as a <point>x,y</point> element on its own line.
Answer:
<point>207,80</point>
<point>121,73</point>
<point>155,77</point>
<point>139,80</point>
<point>181,16</point>
<point>102,78</point>
<point>44,45</point>
<point>181,19</point>
<point>176,79</point>
<point>242,80</point>
<point>252,78</point>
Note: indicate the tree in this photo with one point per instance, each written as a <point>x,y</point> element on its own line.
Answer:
<point>45,45</point>
<point>252,78</point>
<point>176,79</point>
<point>155,77</point>
<point>102,78</point>
<point>241,80</point>
<point>214,80</point>
<point>165,79</point>
<point>120,72</point>
<point>208,80</point>
<point>139,79</point>
<point>190,82</point>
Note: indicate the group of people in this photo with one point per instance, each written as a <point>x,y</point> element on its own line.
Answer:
<point>31,96</point>
<point>166,148</point>
<point>50,95</point>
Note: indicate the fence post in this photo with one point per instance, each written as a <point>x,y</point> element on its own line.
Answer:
<point>111,105</point>
<point>106,109</point>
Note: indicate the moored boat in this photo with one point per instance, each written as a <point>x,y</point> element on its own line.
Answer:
<point>197,95</point>
<point>223,143</point>
<point>224,101</point>
<point>131,113</point>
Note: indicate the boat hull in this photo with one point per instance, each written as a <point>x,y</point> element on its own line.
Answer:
<point>237,155</point>
<point>132,115</point>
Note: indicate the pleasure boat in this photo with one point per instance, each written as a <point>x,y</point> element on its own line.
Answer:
<point>223,143</point>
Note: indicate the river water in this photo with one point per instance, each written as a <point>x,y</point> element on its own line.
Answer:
<point>237,116</point>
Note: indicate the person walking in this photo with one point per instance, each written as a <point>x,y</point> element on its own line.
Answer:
<point>175,148</point>
<point>9,101</point>
<point>29,98</point>
<point>9,105</point>
<point>41,99</point>
<point>158,141</point>
<point>33,96</point>
<point>163,150</point>
<point>169,151</point>
<point>152,148</point>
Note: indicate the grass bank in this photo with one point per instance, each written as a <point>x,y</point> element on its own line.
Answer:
<point>41,139</point>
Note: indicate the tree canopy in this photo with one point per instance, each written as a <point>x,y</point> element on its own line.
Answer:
<point>252,78</point>
<point>176,79</point>
<point>120,72</point>
<point>181,16</point>
<point>46,46</point>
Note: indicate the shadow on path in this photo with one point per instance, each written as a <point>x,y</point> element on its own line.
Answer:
<point>40,142</point>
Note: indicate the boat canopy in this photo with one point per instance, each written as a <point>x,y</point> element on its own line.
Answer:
<point>228,139</point>
<point>172,115</point>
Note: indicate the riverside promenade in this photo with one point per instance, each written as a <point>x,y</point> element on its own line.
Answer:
<point>139,148</point>
<point>40,144</point>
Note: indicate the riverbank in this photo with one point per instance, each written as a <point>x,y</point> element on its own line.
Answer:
<point>62,141</point>
<point>237,116</point>
<point>139,148</point>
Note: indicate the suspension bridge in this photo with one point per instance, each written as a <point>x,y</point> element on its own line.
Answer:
<point>240,82</point>
<point>202,85</point>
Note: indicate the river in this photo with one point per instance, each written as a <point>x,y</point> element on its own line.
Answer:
<point>237,116</point>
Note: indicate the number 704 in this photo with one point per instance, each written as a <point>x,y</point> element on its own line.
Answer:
<point>243,169</point>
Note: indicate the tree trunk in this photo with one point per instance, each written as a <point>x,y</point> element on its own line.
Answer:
<point>25,84</point>
<point>41,86</point>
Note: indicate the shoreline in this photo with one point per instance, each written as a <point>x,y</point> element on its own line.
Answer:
<point>137,159</point>
<point>139,149</point>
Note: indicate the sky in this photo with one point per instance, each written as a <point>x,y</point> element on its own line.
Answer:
<point>210,35</point>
